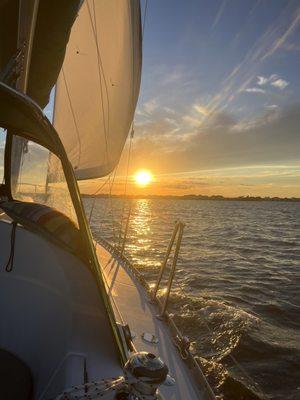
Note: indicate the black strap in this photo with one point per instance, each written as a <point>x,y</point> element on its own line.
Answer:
<point>10,262</point>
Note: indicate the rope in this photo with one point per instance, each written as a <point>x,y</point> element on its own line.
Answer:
<point>94,199</point>
<point>10,262</point>
<point>126,182</point>
<point>73,116</point>
<point>111,206</point>
<point>110,181</point>
<point>93,390</point>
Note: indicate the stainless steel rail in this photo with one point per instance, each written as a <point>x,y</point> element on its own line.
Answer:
<point>177,232</point>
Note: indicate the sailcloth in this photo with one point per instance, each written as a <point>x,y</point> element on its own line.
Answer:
<point>98,86</point>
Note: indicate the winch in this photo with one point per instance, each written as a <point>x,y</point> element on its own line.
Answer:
<point>144,373</point>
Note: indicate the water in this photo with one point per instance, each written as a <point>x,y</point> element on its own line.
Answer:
<point>236,293</point>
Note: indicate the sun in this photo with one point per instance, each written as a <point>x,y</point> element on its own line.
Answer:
<point>143,178</point>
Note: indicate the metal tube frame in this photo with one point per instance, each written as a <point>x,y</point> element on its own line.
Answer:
<point>178,231</point>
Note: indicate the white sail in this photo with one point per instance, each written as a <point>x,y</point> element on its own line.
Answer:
<point>98,85</point>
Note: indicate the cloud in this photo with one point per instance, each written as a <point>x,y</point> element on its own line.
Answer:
<point>196,116</point>
<point>263,80</point>
<point>158,128</point>
<point>280,83</point>
<point>271,106</point>
<point>147,108</point>
<point>172,77</point>
<point>280,41</point>
<point>291,47</point>
<point>254,90</point>
<point>150,106</point>
<point>191,121</point>
<point>273,80</point>
<point>201,110</point>
<point>169,110</point>
<point>222,141</point>
<point>242,74</point>
<point>219,13</point>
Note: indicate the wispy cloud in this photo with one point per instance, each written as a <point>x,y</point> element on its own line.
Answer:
<point>191,121</point>
<point>271,106</point>
<point>150,106</point>
<point>263,80</point>
<point>291,47</point>
<point>222,140</point>
<point>280,41</point>
<point>265,46</point>
<point>147,108</point>
<point>169,110</point>
<point>273,80</point>
<point>254,90</point>
<point>219,13</point>
<point>201,109</point>
<point>280,83</point>
<point>172,77</point>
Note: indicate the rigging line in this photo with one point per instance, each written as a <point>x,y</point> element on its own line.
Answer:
<point>106,207</point>
<point>94,199</point>
<point>100,69</point>
<point>238,365</point>
<point>128,163</point>
<point>108,180</point>
<point>111,206</point>
<point>73,115</point>
<point>126,182</point>
<point>144,19</point>
<point>132,125</point>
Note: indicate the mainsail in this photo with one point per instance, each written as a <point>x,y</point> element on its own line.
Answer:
<point>98,86</point>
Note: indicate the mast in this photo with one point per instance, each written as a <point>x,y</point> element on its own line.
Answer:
<point>28,10</point>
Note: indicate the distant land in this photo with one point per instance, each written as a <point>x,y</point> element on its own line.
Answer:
<point>195,197</point>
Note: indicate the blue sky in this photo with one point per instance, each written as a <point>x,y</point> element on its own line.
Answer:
<point>197,48</point>
<point>220,93</point>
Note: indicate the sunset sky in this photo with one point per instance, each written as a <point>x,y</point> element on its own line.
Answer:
<point>219,106</point>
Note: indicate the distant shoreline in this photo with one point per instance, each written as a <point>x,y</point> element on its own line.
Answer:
<point>194,197</point>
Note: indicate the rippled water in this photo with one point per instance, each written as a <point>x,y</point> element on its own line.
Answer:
<point>236,293</point>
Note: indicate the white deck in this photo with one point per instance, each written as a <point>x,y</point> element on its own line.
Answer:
<point>52,316</point>
<point>131,303</point>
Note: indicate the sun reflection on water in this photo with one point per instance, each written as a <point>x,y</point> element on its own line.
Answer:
<point>140,224</point>
<point>140,238</point>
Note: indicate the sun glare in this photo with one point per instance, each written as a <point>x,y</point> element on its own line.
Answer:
<point>143,178</point>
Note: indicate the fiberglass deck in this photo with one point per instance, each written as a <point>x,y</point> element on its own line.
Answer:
<point>131,304</point>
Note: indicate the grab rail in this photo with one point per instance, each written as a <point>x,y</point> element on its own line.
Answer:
<point>178,231</point>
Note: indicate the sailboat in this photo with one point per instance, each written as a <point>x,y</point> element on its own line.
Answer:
<point>77,320</point>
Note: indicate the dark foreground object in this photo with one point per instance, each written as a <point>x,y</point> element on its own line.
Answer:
<point>15,378</point>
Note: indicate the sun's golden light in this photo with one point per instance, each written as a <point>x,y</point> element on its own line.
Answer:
<point>143,178</point>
